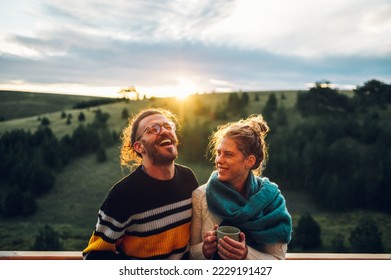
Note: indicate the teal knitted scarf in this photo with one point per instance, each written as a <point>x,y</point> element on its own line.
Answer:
<point>262,215</point>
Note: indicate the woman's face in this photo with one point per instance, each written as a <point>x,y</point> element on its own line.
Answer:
<point>232,166</point>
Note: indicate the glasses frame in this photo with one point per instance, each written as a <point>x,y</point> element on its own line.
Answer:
<point>170,126</point>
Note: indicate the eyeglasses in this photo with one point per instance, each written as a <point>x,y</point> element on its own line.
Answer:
<point>156,128</point>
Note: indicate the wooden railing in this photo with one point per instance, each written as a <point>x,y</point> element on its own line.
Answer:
<point>76,255</point>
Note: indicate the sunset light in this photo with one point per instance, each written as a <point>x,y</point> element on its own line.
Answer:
<point>184,89</point>
<point>181,90</point>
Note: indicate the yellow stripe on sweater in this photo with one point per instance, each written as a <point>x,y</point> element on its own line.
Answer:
<point>96,243</point>
<point>159,244</point>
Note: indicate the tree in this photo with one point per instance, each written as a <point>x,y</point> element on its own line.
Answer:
<point>69,119</point>
<point>323,100</point>
<point>81,117</point>
<point>366,237</point>
<point>13,203</point>
<point>307,234</point>
<point>42,179</point>
<point>125,114</point>
<point>244,99</point>
<point>128,92</point>
<point>85,140</point>
<point>270,107</point>
<point>29,205</point>
<point>373,92</point>
<point>370,127</point>
<point>337,243</point>
<point>282,118</point>
<point>47,240</point>
<point>233,104</point>
<point>45,121</point>
<point>100,119</point>
<point>195,148</point>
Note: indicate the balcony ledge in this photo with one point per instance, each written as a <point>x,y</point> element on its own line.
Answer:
<point>76,255</point>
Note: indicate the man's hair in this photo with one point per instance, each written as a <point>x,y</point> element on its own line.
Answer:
<point>129,157</point>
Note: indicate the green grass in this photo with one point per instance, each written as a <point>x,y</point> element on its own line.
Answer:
<point>71,207</point>
<point>17,104</point>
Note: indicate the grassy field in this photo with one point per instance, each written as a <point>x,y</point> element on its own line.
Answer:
<point>72,206</point>
<point>18,104</point>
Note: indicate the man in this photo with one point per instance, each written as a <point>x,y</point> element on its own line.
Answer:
<point>147,214</point>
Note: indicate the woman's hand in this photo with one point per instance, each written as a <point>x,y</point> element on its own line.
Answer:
<point>209,247</point>
<point>229,249</point>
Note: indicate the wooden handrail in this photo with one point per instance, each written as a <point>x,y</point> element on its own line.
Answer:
<point>76,255</point>
<point>40,255</point>
<point>336,256</point>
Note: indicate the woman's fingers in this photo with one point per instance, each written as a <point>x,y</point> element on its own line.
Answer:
<point>231,249</point>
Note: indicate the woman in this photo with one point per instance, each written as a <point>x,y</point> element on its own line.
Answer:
<point>236,195</point>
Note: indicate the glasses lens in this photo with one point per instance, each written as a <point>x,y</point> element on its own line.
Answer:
<point>157,128</point>
<point>169,126</point>
<point>154,128</point>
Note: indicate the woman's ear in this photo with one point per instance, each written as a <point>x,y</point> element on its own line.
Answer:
<point>250,161</point>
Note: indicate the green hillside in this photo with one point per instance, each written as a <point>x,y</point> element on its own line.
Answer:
<point>71,207</point>
<point>19,104</point>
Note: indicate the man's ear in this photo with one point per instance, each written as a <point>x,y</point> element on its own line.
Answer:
<point>138,147</point>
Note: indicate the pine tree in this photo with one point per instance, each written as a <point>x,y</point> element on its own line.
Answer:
<point>307,234</point>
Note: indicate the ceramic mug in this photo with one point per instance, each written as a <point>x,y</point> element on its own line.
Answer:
<point>232,232</point>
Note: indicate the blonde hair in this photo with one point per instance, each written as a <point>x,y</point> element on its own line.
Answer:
<point>129,157</point>
<point>249,135</point>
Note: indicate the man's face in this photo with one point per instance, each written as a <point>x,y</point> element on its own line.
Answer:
<point>160,147</point>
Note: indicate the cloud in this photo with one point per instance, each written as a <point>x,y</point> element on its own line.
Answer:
<point>238,44</point>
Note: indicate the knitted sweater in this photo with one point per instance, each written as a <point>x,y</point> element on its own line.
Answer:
<point>203,220</point>
<point>145,218</point>
<point>260,212</point>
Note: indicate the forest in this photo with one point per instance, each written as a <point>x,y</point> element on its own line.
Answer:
<point>339,149</point>
<point>333,145</point>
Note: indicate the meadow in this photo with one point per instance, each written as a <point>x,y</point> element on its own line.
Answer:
<point>71,207</point>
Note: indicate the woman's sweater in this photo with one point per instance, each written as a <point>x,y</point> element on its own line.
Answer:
<point>203,220</point>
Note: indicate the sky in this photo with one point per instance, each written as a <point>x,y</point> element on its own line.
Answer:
<point>176,48</point>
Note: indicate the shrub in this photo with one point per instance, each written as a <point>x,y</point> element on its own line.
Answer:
<point>337,243</point>
<point>307,234</point>
<point>47,240</point>
<point>45,121</point>
<point>366,237</point>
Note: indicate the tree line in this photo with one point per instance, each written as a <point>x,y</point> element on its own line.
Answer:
<point>365,237</point>
<point>340,151</point>
<point>337,147</point>
<point>30,160</point>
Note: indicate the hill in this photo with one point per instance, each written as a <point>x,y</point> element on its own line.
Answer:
<point>71,207</point>
<point>19,104</point>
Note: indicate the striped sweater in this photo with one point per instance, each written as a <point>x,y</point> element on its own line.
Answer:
<point>145,218</point>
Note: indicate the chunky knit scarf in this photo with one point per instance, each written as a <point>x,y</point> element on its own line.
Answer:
<point>262,215</point>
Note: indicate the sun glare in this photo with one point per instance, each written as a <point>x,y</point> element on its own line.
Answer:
<point>183,89</point>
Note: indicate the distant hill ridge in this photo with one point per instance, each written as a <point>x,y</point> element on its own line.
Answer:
<point>20,104</point>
